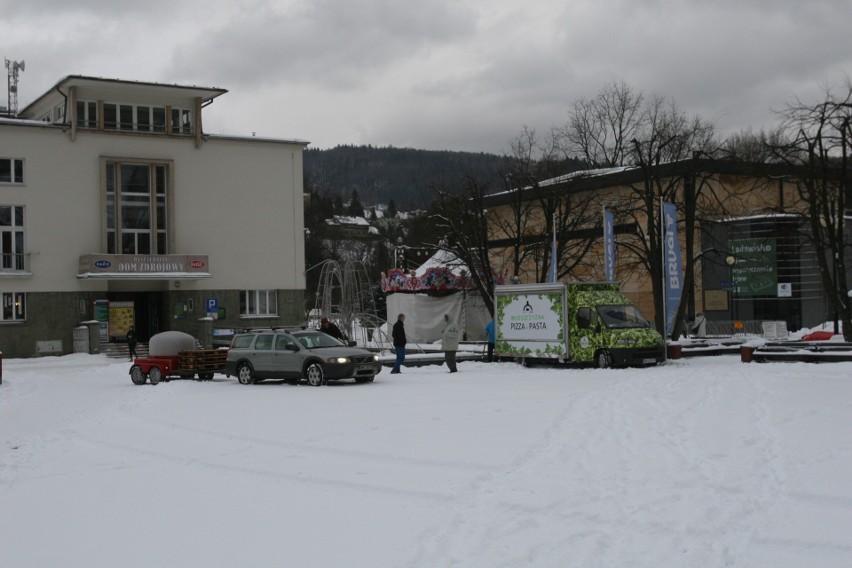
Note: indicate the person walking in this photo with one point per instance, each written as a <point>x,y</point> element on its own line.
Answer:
<point>131,342</point>
<point>399,341</point>
<point>450,342</point>
<point>490,339</point>
<point>329,328</point>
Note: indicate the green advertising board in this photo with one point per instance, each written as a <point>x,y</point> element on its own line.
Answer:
<point>755,270</point>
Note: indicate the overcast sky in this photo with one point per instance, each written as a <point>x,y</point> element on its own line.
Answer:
<point>437,74</point>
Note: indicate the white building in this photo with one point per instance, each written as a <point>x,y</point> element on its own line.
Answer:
<point>116,205</point>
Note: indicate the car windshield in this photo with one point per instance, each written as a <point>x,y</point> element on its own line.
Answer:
<point>622,316</point>
<point>317,340</point>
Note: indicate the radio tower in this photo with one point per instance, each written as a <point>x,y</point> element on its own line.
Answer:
<point>12,68</point>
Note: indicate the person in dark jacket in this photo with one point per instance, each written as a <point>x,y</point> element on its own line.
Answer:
<point>399,342</point>
<point>329,328</point>
<point>131,342</point>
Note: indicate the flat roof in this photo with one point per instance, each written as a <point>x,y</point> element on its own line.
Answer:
<point>205,93</point>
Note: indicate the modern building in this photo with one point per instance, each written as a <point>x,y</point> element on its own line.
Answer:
<point>116,206</point>
<point>753,256</point>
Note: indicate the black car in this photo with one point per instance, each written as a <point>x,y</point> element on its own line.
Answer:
<point>296,355</point>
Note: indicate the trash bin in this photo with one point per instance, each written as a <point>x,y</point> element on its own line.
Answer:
<point>746,353</point>
<point>674,351</point>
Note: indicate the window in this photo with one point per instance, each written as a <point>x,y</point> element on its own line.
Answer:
<point>11,237</point>
<point>259,303</point>
<point>136,208</point>
<point>181,121</point>
<point>143,118</point>
<point>263,343</point>
<point>14,306</point>
<point>87,114</point>
<point>11,170</point>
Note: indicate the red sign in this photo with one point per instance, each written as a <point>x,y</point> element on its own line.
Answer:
<point>197,264</point>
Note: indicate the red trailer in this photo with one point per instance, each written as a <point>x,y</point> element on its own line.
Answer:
<point>185,365</point>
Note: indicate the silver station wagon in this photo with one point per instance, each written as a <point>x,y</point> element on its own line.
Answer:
<point>296,355</point>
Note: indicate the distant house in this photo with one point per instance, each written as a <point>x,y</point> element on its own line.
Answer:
<point>351,227</point>
<point>116,205</point>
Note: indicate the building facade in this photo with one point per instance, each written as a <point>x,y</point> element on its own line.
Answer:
<point>117,207</point>
<point>753,258</point>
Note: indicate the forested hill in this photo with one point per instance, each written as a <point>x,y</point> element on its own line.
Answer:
<point>402,174</point>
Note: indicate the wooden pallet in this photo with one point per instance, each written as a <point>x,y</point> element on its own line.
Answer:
<point>201,360</point>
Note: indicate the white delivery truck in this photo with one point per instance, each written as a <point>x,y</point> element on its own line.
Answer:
<point>580,323</point>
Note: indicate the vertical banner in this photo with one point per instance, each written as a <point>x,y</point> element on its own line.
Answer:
<point>553,260</point>
<point>609,245</point>
<point>672,266</point>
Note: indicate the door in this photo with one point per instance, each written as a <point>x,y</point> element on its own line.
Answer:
<point>262,356</point>
<point>286,361</point>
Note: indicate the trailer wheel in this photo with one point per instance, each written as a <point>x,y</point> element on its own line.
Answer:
<point>314,374</point>
<point>604,359</point>
<point>154,375</point>
<point>245,374</point>
<point>137,376</point>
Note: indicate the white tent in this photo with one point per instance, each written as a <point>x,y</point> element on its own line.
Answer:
<point>424,313</point>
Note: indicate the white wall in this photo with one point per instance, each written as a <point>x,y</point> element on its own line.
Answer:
<point>237,200</point>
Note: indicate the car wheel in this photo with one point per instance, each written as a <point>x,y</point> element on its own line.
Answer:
<point>154,375</point>
<point>137,376</point>
<point>604,360</point>
<point>314,374</point>
<point>245,374</point>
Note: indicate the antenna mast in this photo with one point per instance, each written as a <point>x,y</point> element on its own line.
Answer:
<point>12,70</point>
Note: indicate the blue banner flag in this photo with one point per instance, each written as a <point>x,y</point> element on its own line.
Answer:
<point>609,245</point>
<point>672,266</point>
<point>553,260</point>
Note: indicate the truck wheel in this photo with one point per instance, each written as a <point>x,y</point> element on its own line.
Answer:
<point>137,376</point>
<point>245,375</point>
<point>604,359</point>
<point>314,374</point>
<point>154,375</point>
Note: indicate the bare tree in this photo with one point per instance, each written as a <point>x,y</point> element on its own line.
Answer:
<point>820,145</point>
<point>540,209</point>
<point>462,213</point>
<point>620,127</point>
<point>600,130</point>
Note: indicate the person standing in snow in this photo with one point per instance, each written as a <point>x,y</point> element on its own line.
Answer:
<point>450,342</point>
<point>490,339</point>
<point>131,342</point>
<point>399,341</point>
<point>329,328</point>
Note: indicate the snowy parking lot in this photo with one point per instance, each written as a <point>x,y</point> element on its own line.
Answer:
<point>703,462</point>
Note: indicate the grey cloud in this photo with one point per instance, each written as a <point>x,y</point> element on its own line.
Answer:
<point>328,43</point>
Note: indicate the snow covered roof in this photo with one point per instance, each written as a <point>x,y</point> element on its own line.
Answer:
<point>443,259</point>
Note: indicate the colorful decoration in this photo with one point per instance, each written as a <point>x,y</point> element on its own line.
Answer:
<point>434,279</point>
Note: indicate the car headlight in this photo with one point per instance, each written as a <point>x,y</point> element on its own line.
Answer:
<point>337,360</point>
<point>376,358</point>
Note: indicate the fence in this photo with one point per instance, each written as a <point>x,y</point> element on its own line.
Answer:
<point>741,328</point>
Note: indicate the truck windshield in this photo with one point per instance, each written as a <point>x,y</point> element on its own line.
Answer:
<point>621,316</point>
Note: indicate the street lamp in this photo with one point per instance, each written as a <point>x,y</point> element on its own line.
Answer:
<point>731,260</point>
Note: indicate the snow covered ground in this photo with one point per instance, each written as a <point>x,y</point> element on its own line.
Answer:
<point>704,462</point>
